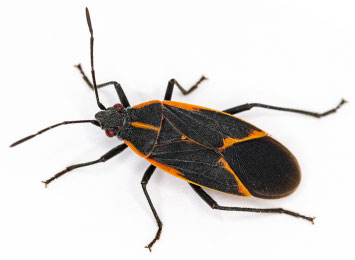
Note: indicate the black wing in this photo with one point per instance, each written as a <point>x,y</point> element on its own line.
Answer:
<point>194,163</point>
<point>219,151</point>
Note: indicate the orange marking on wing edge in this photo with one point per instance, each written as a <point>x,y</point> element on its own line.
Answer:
<point>146,103</point>
<point>183,105</point>
<point>229,141</point>
<point>130,145</point>
<point>166,168</point>
<point>241,188</point>
<point>145,126</point>
<point>180,175</point>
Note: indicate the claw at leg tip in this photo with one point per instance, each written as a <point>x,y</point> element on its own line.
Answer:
<point>45,184</point>
<point>343,101</point>
<point>312,220</point>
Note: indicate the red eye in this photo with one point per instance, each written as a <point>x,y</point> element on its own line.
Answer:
<point>110,133</point>
<point>118,106</point>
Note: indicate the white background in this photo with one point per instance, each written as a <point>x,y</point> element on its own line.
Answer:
<point>298,54</point>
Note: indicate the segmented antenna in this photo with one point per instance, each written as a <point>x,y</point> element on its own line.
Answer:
<point>101,106</point>
<point>94,122</point>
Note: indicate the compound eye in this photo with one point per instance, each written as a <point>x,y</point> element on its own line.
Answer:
<point>118,106</point>
<point>110,133</point>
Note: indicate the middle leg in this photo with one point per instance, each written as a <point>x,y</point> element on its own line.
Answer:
<point>146,177</point>
<point>248,106</point>
<point>173,82</point>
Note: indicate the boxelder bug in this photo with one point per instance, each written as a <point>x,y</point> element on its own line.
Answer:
<point>205,147</point>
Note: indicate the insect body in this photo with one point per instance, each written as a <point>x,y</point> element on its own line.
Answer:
<point>209,148</point>
<point>205,147</point>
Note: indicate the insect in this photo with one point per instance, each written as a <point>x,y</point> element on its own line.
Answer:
<point>205,147</point>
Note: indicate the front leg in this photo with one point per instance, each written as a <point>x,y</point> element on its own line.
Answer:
<point>146,177</point>
<point>113,152</point>
<point>118,88</point>
<point>173,82</point>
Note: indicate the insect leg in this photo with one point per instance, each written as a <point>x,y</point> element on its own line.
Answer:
<point>118,88</point>
<point>245,107</point>
<point>172,82</point>
<point>214,205</point>
<point>148,173</point>
<point>113,152</point>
